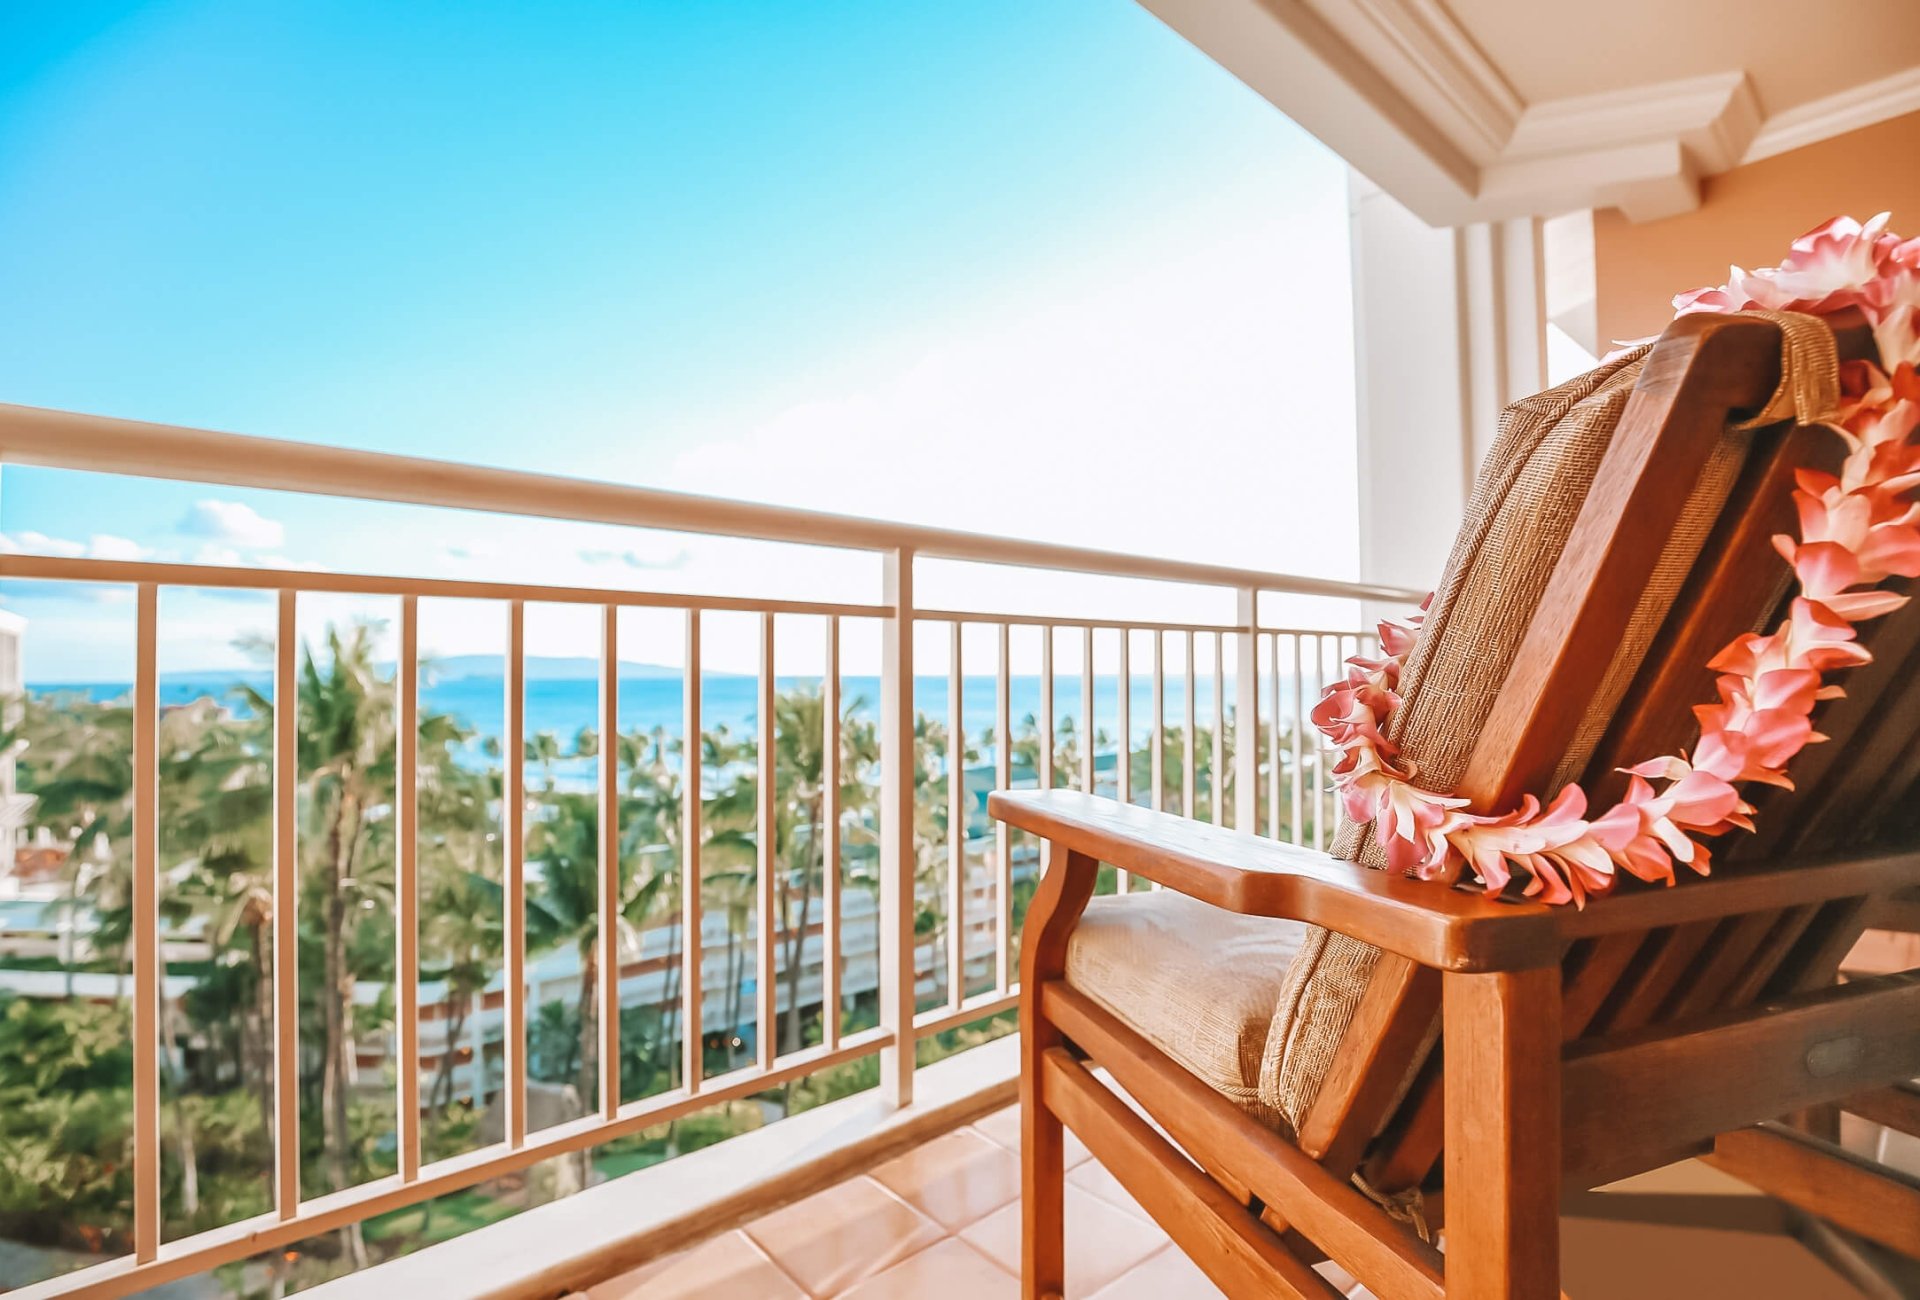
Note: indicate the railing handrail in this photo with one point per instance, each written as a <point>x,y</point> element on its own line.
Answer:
<point>70,440</point>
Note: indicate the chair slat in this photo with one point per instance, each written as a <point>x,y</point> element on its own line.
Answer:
<point>1839,812</point>
<point>1586,987</point>
<point>1726,595</point>
<point>1393,1021</point>
<point>1644,989</point>
<point>1230,1245</point>
<point>1823,773</point>
<point>1731,953</point>
<point>1816,959</point>
<point>1774,951</point>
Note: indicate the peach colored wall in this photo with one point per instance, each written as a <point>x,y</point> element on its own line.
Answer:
<point>1748,216</point>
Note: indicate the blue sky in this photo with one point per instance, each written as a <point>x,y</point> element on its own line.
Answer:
<point>948,251</point>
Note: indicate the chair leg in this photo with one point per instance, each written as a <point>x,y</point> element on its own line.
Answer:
<point>1043,1182</point>
<point>1056,907</point>
<point>1501,1048</point>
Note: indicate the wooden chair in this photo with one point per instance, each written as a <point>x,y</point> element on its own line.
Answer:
<point>1501,1053</point>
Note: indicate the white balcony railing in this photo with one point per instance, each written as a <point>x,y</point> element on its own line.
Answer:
<point>1276,672</point>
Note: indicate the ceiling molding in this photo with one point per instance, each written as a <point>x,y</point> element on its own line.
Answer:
<point>1439,65</point>
<point>1868,105</point>
<point>1403,92</point>
<point>1713,117</point>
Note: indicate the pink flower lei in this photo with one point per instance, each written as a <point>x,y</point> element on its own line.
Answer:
<point>1856,530</point>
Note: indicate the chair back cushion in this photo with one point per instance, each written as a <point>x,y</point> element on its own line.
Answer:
<point>1530,489</point>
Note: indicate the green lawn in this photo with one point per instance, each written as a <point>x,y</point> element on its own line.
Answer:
<point>453,1214</point>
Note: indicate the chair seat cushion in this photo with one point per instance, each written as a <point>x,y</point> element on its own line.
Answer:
<point>1199,983</point>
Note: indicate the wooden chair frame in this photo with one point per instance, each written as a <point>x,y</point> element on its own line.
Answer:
<point>1579,1046</point>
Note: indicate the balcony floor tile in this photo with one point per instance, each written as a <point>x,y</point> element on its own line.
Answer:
<point>838,1237</point>
<point>1003,1126</point>
<point>728,1267</point>
<point>950,1270</point>
<point>1102,1242</point>
<point>955,1179</point>
<point>943,1220</point>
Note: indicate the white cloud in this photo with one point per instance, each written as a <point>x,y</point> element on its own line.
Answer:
<point>664,556</point>
<point>100,546</point>
<point>33,543</point>
<point>233,522</point>
<point>284,562</point>
<point>105,546</point>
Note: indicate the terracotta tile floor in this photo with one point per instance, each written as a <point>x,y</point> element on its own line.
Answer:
<point>942,1220</point>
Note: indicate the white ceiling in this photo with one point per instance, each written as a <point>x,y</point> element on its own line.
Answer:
<point>1794,51</point>
<point>1478,109</point>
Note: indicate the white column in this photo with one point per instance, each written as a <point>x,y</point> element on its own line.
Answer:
<point>1450,326</point>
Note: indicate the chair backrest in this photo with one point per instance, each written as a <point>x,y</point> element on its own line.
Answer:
<point>1581,696</point>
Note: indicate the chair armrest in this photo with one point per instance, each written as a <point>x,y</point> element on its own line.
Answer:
<point>1447,929</point>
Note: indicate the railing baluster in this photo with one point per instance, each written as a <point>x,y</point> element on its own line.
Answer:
<point>1297,721</point>
<point>609,838</point>
<point>1003,972</point>
<point>1123,773</point>
<point>1159,758</point>
<point>830,840</point>
<point>1046,707</point>
<point>1217,764</point>
<point>692,789</point>
<point>1086,709</point>
<point>149,966</point>
<point>1273,740</point>
<point>513,834</point>
<point>1246,713</point>
<point>1320,750</point>
<point>766,977</point>
<point>1190,757</point>
<point>406,890</point>
<point>956,827</point>
<point>898,957</point>
<point>286,893</point>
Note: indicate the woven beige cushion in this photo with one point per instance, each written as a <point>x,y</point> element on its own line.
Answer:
<point>1197,982</point>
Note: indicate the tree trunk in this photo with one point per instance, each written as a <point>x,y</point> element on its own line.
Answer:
<point>262,1016</point>
<point>669,1021</point>
<point>735,972</point>
<point>441,1095</point>
<point>589,1038</point>
<point>797,938</point>
<point>182,1128</point>
<point>338,985</point>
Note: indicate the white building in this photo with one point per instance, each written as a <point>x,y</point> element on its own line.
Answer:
<point>14,806</point>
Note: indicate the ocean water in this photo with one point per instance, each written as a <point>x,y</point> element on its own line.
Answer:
<point>564,706</point>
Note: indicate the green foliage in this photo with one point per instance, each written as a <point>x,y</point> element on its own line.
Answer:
<point>65,1089</point>
<point>62,1047</point>
<point>65,1067</point>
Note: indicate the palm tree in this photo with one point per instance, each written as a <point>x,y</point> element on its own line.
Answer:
<point>344,740</point>
<point>651,819</point>
<point>463,925</point>
<point>565,907</point>
<point>218,787</point>
<point>729,855</point>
